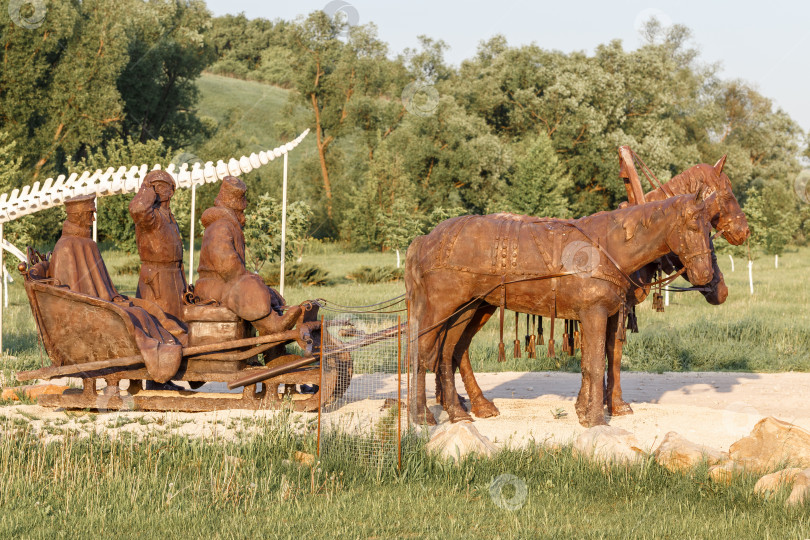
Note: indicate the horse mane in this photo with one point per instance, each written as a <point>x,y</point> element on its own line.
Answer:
<point>690,180</point>
<point>632,217</point>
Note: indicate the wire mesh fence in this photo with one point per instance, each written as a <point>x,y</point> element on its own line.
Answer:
<point>365,361</point>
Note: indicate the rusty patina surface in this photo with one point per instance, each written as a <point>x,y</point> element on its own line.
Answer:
<point>160,246</point>
<point>460,273</point>
<point>91,331</point>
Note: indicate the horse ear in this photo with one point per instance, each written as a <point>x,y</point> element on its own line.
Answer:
<point>700,193</point>
<point>718,167</point>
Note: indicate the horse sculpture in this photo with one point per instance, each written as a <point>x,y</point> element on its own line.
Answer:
<point>574,269</point>
<point>725,215</point>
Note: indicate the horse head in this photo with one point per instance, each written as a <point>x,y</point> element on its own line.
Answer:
<point>690,238</point>
<point>725,213</point>
<point>729,218</point>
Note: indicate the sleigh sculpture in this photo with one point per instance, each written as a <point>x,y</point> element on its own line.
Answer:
<point>221,348</point>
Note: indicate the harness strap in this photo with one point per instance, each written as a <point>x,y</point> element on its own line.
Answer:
<point>501,347</point>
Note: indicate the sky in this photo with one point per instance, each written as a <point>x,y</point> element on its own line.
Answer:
<point>766,44</point>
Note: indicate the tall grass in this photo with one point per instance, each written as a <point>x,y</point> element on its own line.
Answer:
<point>168,485</point>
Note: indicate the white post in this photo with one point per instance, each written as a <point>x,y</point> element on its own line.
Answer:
<point>1,307</point>
<point>6,279</point>
<point>666,296</point>
<point>732,261</point>
<point>776,261</point>
<point>283,227</point>
<point>751,276</point>
<point>95,223</point>
<point>191,235</point>
<point>397,257</point>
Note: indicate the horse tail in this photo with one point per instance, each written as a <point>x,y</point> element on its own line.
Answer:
<point>413,275</point>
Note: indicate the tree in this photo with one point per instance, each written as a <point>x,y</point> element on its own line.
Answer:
<point>399,226</point>
<point>263,231</point>
<point>58,83</point>
<point>332,78</point>
<point>168,49</point>
<point>772,216</point>
<point>538,185</point>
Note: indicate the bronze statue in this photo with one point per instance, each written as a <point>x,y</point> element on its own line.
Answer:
<point>162,279</point>
<point>76,261</point>
<point>726,216</point>
<point>76,264</point>
<point>533,265</point>
<point>90,331</point>
<point>222,273</point>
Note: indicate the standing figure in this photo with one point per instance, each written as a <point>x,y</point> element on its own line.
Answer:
<point>223,276</point>
<point>160,246</point>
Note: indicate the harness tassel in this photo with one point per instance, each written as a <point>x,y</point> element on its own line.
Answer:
<point>566,345</point>
<point>516,352</point>
<point>540,339</point>
<point>551,352</point>
<point>526,339</point>
<point>632,321</point>
<point>577,337</point>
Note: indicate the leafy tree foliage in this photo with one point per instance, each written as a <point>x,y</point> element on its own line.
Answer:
<point>263,231</point>
<point>168,49</point>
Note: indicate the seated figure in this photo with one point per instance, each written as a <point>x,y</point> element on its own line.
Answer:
<point>77,264</point>
<point>222,273</point>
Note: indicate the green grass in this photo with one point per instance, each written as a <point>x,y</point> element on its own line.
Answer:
<point>168,485</point>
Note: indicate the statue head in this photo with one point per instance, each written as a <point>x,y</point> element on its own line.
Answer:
<point>163,184</point>
<point>81,211</point>
<point>232,195</point>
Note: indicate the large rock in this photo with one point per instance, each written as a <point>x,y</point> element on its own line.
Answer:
<point>455,441</point>
<point>679,454</point>
<point>609,444</point>
<point>801,489</point>
<point>771,443</point>
<point>725,472</point>
<point>773,481</point>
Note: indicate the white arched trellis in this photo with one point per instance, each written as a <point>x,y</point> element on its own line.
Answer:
<point>50,193</point>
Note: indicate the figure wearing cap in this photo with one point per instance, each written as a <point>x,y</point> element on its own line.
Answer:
<point>222,273</point>
<point>160,245</point>
<point>76,260</point>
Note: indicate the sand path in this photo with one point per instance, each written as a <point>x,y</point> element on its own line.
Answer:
<point>715,409</point>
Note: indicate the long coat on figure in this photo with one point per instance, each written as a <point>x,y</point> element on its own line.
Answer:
<point>160,246</point>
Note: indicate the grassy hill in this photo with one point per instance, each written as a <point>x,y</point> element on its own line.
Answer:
<point>252,117</point>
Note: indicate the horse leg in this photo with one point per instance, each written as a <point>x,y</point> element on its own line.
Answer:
<point>425,345</point>
<point>590,406</point>
<point>480,406</point>
<point>446,372</point>
<point>616,406</point>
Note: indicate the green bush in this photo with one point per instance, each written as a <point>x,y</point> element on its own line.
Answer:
<point>376,274</point>
<point>296,275</point>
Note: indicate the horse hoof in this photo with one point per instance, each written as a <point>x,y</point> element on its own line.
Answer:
<point>485,409</point>
<point>425,418</point>
<point>622,409</point>
<point>590,420</point>
<point>459,416</point>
